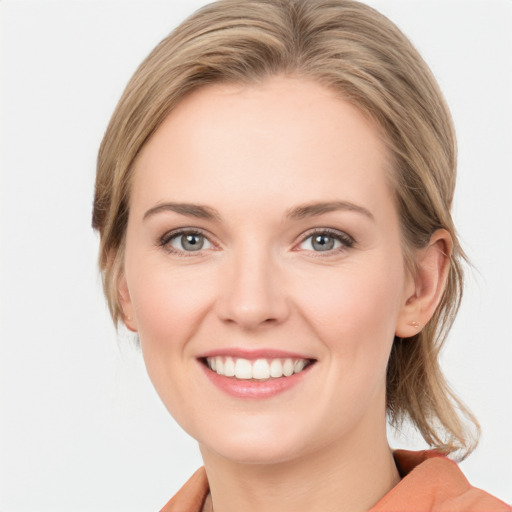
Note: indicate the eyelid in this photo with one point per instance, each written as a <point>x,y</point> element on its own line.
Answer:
<point>346,240</point>
<point>166,238</point>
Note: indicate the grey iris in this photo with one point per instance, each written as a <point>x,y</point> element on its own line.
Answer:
<point>322,242</point>
<point>192,242</point>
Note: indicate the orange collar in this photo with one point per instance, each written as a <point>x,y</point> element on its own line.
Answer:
<point>430,483</point>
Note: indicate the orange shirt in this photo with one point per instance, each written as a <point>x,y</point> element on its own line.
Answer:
<point>430,483</point>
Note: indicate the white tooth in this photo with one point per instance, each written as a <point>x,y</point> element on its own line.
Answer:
<point>288,367</point>
<point>229,367</point>
<point>243,369</point>
<point>211,362</point>
<point>276,368</point>
<point>298,365</point>
<point>260,369</point>
<point>219,365</point>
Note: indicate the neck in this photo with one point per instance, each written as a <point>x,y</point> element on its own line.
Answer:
<point>348,477</point>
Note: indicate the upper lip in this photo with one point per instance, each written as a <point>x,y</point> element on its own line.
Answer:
<point>262,353</point>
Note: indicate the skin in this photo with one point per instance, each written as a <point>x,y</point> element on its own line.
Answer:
<point>254,154</point>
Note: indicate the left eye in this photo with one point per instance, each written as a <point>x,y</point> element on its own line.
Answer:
<point>189,242</point>
<point>321,242</point>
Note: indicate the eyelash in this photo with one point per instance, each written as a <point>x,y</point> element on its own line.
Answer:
<point>166,239</point>
<point>347,242</point>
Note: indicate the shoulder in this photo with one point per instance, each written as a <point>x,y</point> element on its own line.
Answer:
<point>432,482</point>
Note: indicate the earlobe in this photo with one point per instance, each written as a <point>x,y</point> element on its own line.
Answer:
<point>125,302</point>
<point>432,268</point>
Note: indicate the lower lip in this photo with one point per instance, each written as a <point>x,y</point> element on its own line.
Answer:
<point>253,388</point>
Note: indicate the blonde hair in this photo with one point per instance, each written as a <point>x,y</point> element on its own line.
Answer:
<point>351,48</point>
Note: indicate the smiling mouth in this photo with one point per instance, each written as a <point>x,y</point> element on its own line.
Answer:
<point>258,369</point>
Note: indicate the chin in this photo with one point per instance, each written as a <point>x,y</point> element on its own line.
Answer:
<point>261,444</point>
<point>266,453</point>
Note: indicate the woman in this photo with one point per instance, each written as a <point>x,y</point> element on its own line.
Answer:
<point>273,197</point>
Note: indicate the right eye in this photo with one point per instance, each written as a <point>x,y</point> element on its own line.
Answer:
<point>186,241</point>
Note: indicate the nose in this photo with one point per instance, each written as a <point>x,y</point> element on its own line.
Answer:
<point>252,293</point>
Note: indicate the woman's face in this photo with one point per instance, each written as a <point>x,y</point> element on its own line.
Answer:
<point>263,239</point>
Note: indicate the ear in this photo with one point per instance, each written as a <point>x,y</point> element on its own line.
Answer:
<point>427,285</point>
<point>125,301</point>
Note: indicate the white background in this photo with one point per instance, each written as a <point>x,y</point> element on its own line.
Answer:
<point>81,429</point>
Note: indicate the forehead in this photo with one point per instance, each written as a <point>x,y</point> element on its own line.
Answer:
<point>286,140</point>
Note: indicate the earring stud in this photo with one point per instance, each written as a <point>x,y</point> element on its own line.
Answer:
<point>414,324</point>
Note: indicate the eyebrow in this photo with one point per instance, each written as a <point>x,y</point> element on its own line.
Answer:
<point>296,213</point>
<point>188,209</point>
<point>313,209</point>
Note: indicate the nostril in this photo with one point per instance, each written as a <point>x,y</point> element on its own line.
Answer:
<point>250,317</point>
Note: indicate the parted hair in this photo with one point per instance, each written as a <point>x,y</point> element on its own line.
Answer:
<point>359,53</point>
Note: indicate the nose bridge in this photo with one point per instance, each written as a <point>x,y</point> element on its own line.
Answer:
<point>251,294</point>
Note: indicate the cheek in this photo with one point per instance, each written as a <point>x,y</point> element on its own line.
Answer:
<point>168,304</point>
<point>356,310</point>
<point>169,307</point>
<point>354,316</point>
